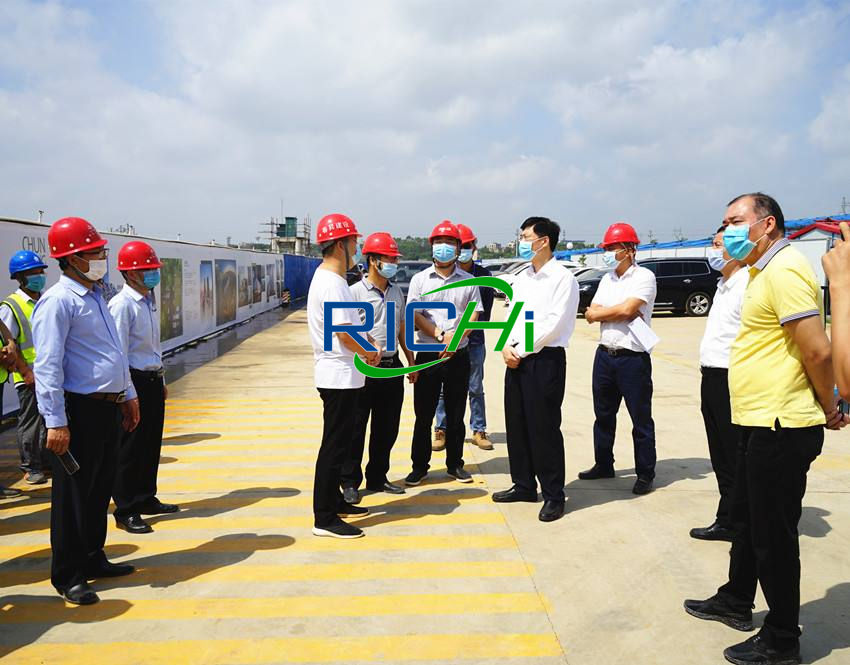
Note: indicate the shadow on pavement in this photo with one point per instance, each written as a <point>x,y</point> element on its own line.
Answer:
<point>185,439</point>
<point>826,624</point>
<point>394,511</point>
<point>233,500</point>
<point>34,567</point>
<point>813,522</point>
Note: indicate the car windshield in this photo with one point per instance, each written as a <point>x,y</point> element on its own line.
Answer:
<point>595,273</point>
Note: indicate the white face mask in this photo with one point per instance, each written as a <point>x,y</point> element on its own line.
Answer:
<point>97,270</point>
<point>715,259</point>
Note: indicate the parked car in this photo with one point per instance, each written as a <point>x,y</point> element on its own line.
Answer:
<point>685,285</point>
<point>406,271</point>
<point>499,267</point>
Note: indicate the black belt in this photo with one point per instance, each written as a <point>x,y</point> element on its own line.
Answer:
<point>148,373</point>
<point>389,361</point>
<point>104,397</point>
<point>713,370</point>
<point>621,352</point>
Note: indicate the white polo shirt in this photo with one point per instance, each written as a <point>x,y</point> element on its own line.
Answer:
<point>551,294</point>
<point>365,291</point>
<point>333,368</point>
<point>428,280</point>
<point>724,321</point>
<point>636,282</point>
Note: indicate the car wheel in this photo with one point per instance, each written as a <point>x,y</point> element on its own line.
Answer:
<point>698,304</point>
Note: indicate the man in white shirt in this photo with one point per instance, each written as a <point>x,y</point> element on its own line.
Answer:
<point>535,377</point>
<point>436,328</point>
<point>382,398</point>
<point>724,321</point>
<point>137,322</point>
<point>336,377</point>
<point>622,368</point>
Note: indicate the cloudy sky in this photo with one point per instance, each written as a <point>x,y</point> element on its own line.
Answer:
<point>197,116</point>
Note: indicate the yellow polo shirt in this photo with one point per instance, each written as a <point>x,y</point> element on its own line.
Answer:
<point>767,379</point>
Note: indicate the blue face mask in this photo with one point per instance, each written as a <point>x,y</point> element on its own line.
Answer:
<point>36,283</point>
<point>610,259</point>
<point>526,249</point>
<point>736,240</point>
<point>465,256</point>
<point>443,252</point>
<point>358,255</point>
<point>387,270</point>
<point>715,259</point>
<point>151,278</point>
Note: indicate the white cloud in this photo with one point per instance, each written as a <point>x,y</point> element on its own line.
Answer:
<point>405,113</point>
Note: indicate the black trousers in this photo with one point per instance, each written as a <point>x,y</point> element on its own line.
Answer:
<point>338,423</point>
<point>534,393</point>
<point>616,378</point>
<point>770,483</point>
<point>139,450</point>
<point>32,434</point>
<point>381,399</point>
<point>452,377</point>
<point>722,434</point>
<point>79,503</point>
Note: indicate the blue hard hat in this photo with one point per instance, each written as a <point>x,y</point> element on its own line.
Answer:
<point>24,260</point>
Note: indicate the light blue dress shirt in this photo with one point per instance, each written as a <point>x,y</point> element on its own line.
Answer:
<point>77,348</point>
<point>138,328</point>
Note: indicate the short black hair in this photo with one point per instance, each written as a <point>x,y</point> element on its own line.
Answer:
<point>63,263</point>
<point>371,257</point>
<point>764,206</point>
<point>721,228</point>
<point>327,247</point>
<point>544,227</point>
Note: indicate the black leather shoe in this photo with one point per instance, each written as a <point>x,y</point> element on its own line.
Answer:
<point>387,487</point>
<point>716,609</point>
<point>351,495</point>
<point>133,524</point>
<point>80,594</point>
<point>595,473</point>
<point>551,511</point>
<point>513,495</point>
<point>642,486</point>
<point>755,651</point>
<point>713,532</point>
<point>108,569</point>
<point>160,508</point>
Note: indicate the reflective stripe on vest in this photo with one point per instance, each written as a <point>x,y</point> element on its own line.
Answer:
<point>22,309</point>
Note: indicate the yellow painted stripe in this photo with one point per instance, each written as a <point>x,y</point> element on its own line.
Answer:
<point>247,542</point>
<point>250,522</point>
<point>162,609</point>
<point>308,572</point>
<point>262,495</point>
<point>399,648</point>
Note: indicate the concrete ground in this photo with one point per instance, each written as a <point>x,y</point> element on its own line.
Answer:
<point>444,575</point>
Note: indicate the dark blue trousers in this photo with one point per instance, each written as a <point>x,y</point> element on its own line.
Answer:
<point>616,378</point>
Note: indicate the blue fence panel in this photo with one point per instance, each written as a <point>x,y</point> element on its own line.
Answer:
<point>297,273</point>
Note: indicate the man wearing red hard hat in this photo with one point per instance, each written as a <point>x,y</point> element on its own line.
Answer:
<point>477,353</point>
<point>85,394</point>
<point>381,399</point>
<point>337,379</point>
<point>622,369</point>
<point>137,321</point>
<point>452,376</point>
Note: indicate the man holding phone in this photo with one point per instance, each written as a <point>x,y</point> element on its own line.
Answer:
<point>85,395</point>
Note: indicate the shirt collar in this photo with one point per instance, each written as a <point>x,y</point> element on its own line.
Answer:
<point>22,294</point>
<point>628,272</point>
<point>545,269</point>
<point>132,293</point>
<point>433,272</point>
<point>73,285</point>
<point>761,264</point>
<point>725,284</point>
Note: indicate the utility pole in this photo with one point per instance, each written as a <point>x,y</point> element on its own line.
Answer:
<point>845,204</point>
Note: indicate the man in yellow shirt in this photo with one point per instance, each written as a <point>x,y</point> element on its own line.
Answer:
<point>782,391</point>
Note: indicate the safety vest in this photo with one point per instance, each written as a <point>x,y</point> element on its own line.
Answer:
<point>22,309</point>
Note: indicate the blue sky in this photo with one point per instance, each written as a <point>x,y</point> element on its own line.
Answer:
<point>198,116</point>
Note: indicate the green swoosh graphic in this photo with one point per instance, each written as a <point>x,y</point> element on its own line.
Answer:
<point>493,282</point>
<point>390,372</point>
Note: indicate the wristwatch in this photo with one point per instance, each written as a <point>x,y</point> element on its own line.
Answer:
<point>440,336</point>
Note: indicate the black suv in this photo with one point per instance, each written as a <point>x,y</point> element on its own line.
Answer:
<point>685,285</point>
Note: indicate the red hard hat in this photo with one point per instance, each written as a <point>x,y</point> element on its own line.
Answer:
<point>137,255</point>
<point>619,232</point>
<point>447,229</point>
<point>381,243</point>
<point>466,234</point>
<point>70,235</point>
<point>335,227</point>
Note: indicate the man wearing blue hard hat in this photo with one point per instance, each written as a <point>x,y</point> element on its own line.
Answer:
<point>16,313</point>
